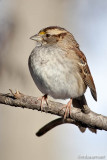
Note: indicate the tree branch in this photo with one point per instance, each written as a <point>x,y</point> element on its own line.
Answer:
<point>89,119</point>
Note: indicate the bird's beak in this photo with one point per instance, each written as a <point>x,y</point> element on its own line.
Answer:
<point>37,38</point>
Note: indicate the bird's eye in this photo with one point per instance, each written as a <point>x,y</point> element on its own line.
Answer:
<point>47,35</point>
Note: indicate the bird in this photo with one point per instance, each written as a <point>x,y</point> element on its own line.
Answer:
<point>59,68</point>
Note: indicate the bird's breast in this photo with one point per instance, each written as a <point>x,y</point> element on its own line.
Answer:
<point>55,74</point>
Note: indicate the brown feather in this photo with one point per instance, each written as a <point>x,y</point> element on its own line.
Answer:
<point>85,72</point>
<point>74,50</point>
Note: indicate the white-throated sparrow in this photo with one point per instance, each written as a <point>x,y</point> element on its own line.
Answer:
<point>58,67</point>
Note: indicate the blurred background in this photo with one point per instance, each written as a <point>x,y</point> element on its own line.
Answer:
<point>19,20</point>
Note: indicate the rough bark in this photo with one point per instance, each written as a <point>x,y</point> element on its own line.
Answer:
<point>89,120</point>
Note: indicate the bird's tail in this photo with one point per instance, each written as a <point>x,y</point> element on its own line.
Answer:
<point>80,103</point>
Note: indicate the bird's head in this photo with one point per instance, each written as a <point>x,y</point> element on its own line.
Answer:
<point>50,35</point>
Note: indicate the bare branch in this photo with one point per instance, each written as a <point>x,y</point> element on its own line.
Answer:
<point>90,120</point>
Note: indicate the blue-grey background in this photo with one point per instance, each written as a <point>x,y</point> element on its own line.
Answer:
<point>19,20</point>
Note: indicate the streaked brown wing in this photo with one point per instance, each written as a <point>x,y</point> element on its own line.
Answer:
<point>85,73</point>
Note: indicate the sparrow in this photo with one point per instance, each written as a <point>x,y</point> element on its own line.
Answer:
<point>59,68</point>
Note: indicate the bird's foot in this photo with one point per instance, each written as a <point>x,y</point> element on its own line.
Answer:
<point>43,99</point>
<point>67,108</point>
<point>16,95</point>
